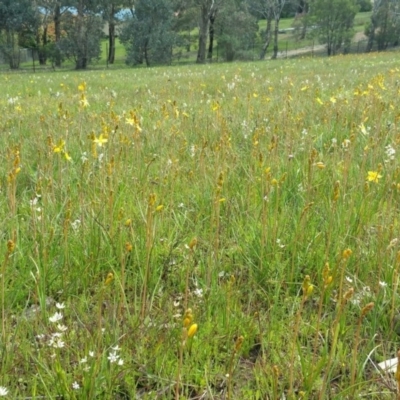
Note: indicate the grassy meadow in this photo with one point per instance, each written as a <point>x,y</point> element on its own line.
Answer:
<point>201,232</point>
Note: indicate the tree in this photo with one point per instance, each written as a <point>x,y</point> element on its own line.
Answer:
<point>207,12</point>
<point>148,36</point>
<point>270,10</point>
<point>301,18</point>
<point>18,19</point>
<point>334,21</point>
<point>83,31</point>
<point>110,10</point>
<point>384,27</point>
<point>236,30</point>
<point>364,5</point>
<point>185,20</point>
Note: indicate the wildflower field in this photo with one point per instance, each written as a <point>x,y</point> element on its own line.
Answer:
<point>201,232</point>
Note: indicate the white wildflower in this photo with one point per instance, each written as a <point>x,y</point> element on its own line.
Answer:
<point>61,327</point>
<point>390,152</point>
<point>56,342</point>
<point>3,391</point>
<point>84,157</point>
<point>113,357</point>
<point>198,292</point>
<point>75,385</point>
<point>56,317</point>
<point>60,306</point>
<point>76,224</point>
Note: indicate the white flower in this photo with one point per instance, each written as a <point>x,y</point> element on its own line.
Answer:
<point>346,143</point>
<point>116,348</point>
<point>75,225</point>
<point>83,361</point>
<point>113,357</point>
<point>390,152</point>
<point>120,361</point>
<point>198,292</point>
<point>91,353</point>
<point>62,327</point>
<point>75,385</point>
<point>56,342</point>
<point>382,284</point>
<point>56,317</point>
<point>60,306</point>
<point>3,391</point>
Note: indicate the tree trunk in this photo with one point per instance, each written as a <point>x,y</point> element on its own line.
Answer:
<point>211,34</point>
<point>146,54</point>
<point>276,33</point>
<point>111,36</point>
<point>81,61</point>
<point>111,42</point>
<point>57,31</point>
<point>42,48</point>
<point>203,31</point>
<point>13,50</point>
<point>267,39</point>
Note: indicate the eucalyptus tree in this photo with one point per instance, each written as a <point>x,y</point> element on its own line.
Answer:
<point>236,30</point>
<point>17,18</point>
<point>207,11</point>
<point>113,14</point>
<point>384,28</point>
<point>333,20</point>
<point>148,35</point>
<point>82,28</point>
<point>271,10</point>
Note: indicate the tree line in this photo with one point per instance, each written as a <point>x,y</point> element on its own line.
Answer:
<point>152,31</point>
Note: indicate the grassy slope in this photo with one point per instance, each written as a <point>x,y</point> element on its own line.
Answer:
<point>266,165</point>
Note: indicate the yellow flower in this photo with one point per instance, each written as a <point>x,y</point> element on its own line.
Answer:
<point>373,176</point>
<point>347,253</point>
<point>10,246</point>
<point>130,121</point>
<point>67,156</point>
<point>187,318</point>
<point>100,140</point>
<point>83,101</point>
<point>109,279</point>
<point>128,247</point>
<point>192,330</point>
<point>59,148</point>
<point>128,222</point>
<point>82,87</point>
<point>193,243</point>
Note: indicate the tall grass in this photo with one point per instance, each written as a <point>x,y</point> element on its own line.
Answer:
<point>261,199</point>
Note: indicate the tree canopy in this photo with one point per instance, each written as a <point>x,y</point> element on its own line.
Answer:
<point>155,31</point>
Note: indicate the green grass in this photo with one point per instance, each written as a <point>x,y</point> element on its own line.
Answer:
<point>262,196</point>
